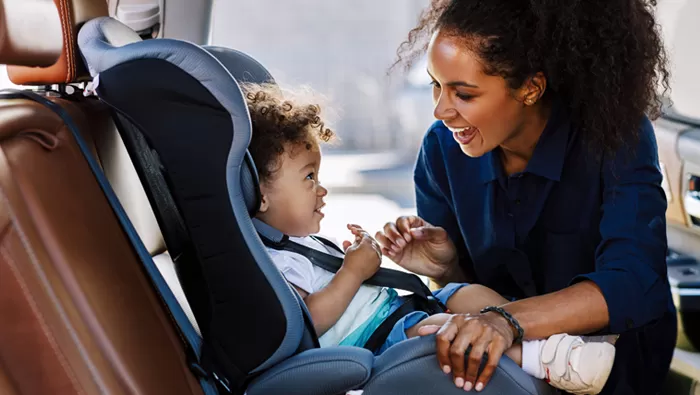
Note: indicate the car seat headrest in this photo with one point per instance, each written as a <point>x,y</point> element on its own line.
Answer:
<point>241,66</point>
<point>69,67</point>
<point>30,33</point>
<point>245,69</point>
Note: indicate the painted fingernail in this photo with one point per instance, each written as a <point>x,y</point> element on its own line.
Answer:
<point>479,387</point>
<point>446,369</point>
<point>468,386</point>
<point>459,382</point>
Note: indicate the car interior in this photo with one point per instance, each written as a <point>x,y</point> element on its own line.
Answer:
<point>128,254</point>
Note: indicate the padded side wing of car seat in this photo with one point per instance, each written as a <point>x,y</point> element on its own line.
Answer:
<point>321,371</point>
<point>412,367</point>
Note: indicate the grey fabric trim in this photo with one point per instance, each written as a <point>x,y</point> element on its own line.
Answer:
<point>241,66</point>
<point>321,371</point>
<point>268,231</point>
<point>100,56</point>
<point>412,367</point>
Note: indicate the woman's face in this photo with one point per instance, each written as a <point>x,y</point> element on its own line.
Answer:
<point>482,111</point>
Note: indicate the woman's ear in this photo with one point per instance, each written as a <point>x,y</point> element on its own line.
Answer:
<point>533,89</point>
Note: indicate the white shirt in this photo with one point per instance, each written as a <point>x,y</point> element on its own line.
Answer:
<point>369,305</point>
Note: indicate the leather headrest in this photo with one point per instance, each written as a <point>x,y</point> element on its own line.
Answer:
<point>69,67</point>
<point>30,32</point>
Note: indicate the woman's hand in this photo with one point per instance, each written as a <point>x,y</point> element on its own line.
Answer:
<point>419,247</point>
<point>485,333</point>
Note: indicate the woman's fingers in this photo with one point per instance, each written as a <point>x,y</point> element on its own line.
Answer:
<point>431,233</point>
<point>495,350</point>
<point>426,330</point>
<point>392,233</point>
<point>444,339</point>
<point>346,245</point>
<point>466,336</point>
<point>406,223</point>
<point>479,346</point>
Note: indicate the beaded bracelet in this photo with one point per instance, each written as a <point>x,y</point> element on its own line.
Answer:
<point>513,322</point>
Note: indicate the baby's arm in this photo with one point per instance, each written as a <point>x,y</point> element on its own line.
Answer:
<point>362,260</point>
<point>328,304</point>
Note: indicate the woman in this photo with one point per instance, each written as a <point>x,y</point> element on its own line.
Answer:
<point>541,181</point>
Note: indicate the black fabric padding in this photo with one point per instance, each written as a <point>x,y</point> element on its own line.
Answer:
<point>192,134</point>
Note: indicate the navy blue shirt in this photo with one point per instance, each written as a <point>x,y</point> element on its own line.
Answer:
<point>570,216</point>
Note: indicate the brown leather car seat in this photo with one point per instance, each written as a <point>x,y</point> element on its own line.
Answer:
<point>78,314</point>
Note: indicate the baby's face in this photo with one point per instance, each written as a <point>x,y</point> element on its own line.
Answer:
<point>293,199</point>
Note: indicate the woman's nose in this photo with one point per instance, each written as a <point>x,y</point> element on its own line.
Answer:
<point>443,110</point>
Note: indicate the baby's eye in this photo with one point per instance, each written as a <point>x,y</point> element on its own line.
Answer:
<point>311,176</point>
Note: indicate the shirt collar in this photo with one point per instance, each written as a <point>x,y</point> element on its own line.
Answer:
<point>550,152</point>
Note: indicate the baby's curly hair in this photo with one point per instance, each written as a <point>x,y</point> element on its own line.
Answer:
<point>604,59</point>
<point>281,121</point>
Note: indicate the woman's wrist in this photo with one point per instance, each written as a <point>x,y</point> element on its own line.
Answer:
<point>516,329</point>
<point>453,273</point>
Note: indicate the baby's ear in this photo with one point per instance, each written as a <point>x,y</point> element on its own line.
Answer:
<point>264,204</point>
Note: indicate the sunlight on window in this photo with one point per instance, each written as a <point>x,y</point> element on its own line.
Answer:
<point>4,79</point>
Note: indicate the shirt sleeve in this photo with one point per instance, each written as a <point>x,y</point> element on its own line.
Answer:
<point>295,268</point>
<point>631,256</point>
<point>433,197</point>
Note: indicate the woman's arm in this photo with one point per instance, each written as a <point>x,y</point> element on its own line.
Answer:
<point>576,310</point>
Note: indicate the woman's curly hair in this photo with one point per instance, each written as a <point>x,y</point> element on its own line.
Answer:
<point>281,121</point>
<point>604,59</point>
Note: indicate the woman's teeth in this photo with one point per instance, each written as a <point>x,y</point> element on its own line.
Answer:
<point>468,129</point>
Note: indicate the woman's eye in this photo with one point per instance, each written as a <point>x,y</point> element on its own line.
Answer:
<point>463,96</point>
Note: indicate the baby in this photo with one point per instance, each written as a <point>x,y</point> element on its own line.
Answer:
<point>285,146</point>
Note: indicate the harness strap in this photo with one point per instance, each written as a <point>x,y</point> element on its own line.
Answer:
<point>422,298</point>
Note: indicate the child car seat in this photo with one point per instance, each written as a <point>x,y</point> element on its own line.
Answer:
<point>185,123</point>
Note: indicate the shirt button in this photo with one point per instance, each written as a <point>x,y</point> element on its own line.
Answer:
<point>510,214</point>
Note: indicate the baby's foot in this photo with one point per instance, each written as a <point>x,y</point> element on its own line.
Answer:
<point>575,366</point>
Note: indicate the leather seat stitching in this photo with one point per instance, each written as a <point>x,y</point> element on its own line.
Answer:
<point>40,318</point>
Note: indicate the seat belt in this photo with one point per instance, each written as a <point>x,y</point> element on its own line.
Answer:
<point>382,278</point>
<point>421,299</point>
<point>193,342</point>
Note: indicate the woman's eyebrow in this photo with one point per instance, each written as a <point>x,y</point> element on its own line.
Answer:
<point>455,83</point>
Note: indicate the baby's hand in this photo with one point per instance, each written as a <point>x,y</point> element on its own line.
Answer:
<point>363,257</point>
